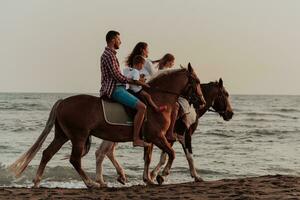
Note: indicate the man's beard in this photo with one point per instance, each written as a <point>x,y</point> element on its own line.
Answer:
<point>116,46</point>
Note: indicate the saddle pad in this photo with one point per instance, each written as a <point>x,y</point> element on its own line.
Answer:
<point>115,114</point>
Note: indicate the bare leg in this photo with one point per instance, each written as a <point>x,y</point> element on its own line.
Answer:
<point>162,162</point>
<point>170,131</point>
<point>111,155</point>
<point>100,153</point>
<point>48,153</point>
<point>75,160</point>
<point>147,160</point>
<point>138,121</point>
<point>149,100</point>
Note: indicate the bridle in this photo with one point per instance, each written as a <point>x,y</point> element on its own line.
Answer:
<point>190,89</point>
<point>221,96</point>
<point>188,92</point>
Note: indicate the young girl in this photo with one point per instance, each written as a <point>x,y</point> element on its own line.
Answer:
<point>167,61</point>
<point>134,73</point>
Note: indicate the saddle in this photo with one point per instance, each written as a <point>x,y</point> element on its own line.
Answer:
<point>117,114</point>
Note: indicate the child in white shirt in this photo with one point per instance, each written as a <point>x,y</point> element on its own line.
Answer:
<point>134,74</point>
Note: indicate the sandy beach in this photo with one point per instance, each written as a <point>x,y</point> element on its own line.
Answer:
<point>263,187</point>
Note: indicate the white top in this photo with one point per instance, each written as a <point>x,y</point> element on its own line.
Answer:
<point>148,69</point>
<point>135,75</point>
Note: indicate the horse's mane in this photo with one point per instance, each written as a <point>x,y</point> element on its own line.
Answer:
<point>164,72</point>
<point>205,86</point>
<point>210,83</point>
<point>214,82</point>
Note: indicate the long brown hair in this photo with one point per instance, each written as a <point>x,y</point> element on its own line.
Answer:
<point>137,50</point>
<point>163,61</point>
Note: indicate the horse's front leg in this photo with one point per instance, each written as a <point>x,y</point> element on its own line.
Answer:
<point>193,172</point>
<point>165,146</point>
<point>187,148</point>
<point>100,153</point>
<point>147,160</point>
<point>111,155</point>
<point>162,162</point>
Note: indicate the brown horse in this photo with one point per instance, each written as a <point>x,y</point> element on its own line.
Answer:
<point>78,117</point>
<point>216,97</point>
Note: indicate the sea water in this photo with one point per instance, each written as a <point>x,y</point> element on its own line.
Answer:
<point>262,138</point>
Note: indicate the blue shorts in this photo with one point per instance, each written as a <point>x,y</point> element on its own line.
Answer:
<point>121,95</point>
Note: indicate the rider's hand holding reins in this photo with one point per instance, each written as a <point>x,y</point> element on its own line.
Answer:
<point>137,82</point>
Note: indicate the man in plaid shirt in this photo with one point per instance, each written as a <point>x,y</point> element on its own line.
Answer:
<point>113,84</point>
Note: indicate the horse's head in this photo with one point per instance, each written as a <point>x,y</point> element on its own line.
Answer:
<point>193,91</point>
<point>221,102</point>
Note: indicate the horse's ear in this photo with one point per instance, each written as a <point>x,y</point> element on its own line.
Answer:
<point>190,69</point>
<point>220,82</point>
<point>182,67</point>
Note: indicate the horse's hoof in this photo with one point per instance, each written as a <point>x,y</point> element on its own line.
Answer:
<point>152,175</point>
<point>101,183</point>
<point>198,179</point>
<point>122,180</point>
<point>36,184</point>
<point>148,182</point>
<point>93,185</point>
<point>160,179</point>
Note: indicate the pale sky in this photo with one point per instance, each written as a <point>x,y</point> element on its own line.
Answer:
<point>55,45</point>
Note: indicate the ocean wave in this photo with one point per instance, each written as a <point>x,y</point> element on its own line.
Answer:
<point>23,107</point>
<point>221,133</point>
<point>25,128</point>
<point>210,172</point>
<point>30,97</point>
<point>269,132</point>
<point>254,114</point>
<point>58,174</point>
<point>287,110</point>
<point>259,120</point>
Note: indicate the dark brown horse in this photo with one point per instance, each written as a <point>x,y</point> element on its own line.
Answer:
<point>216,97</point>
<point>78,117</point>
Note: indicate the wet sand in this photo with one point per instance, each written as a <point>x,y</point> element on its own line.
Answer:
<point>264,187</point>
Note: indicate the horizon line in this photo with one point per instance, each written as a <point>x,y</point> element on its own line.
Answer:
<point>37,92</point>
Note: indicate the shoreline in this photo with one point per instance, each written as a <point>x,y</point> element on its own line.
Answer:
<point>262,187</point>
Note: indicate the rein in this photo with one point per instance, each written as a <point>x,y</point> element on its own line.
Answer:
<point>215,111</point>
<point>174,93</point>
<point>219,112</point>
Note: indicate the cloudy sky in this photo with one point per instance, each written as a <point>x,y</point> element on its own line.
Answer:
<point>55,45</point>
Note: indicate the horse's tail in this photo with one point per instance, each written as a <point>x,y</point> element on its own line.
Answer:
<point>20,165</point>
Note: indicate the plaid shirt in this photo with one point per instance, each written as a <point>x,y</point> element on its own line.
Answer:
<point>110,72</point>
